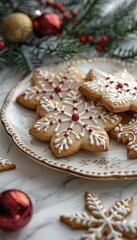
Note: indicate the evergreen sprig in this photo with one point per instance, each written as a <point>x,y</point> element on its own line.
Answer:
<point>118,24</point>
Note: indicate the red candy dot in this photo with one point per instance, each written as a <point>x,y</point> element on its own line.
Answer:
<point>75,101</point>
<point>55,109</point>
<point>119,85</point>
<point>99,117</point>
<point>51,123</point>
<point>107,86</point>
<point>90,117</point>
<point>90,130</point>
<point>66,135</point>
<point>85,125</point>
<point>75,117</point>
<point>107,78</point>
<point>59,120</point>
<point>51,97</point>
<point>57,90</point>
<point>86,110</point>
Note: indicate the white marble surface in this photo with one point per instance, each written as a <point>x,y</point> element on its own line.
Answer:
<point>52,193</point>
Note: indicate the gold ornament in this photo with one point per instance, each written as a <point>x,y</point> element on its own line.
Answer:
<point>17,27</point>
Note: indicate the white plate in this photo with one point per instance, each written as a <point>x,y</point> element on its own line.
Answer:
<point>17,120</point>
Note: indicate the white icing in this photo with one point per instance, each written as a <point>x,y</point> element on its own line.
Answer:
<point>107,85</point>
<point>65,80</point>
<point>4,162</point>
<point>128,130</point>
<point>91,119</point>
<point>99,219</point>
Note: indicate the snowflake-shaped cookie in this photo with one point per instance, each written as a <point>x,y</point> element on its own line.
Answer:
<point>74,123</point>
<point>127,133</point>
<point>52,86</point>
<point>101,223</point>
<point>118,92</point>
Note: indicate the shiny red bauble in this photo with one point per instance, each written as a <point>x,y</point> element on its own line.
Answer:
<point>15,210</point>
<point>48,24</point>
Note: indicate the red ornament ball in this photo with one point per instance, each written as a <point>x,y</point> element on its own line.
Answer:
<point>15,210</point>
<point>48,24</point>
<point>2,45</point>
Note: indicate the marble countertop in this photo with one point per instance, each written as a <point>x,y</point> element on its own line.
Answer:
<point>52,193</point>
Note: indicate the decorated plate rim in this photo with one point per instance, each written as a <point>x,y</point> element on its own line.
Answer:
<point>113,175</point>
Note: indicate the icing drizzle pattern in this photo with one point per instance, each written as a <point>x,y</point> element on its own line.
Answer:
<point>99,220</point>
<point>4,162</point>
<point>128,131</point>
<point>53,86</point>
<point>114,88</point>
<point>73,118</point>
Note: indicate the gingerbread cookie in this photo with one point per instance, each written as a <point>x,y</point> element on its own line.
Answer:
<point>101,223</point>
<point>6,165</point>
<point>117,92</point>
<point>127,133</point>
<point>50,85</point>
<point>75,123</point>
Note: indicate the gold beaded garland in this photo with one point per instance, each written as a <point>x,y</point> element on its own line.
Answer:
<point>17,27</point>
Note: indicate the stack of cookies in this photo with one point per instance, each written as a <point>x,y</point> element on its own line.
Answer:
<point>75,112</point>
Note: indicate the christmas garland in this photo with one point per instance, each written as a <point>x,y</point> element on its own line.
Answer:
<point>31,31</point>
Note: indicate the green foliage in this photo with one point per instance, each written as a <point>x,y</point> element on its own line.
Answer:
<point>118,24</point>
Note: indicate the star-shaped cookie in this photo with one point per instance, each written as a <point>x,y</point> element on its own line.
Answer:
<point>51,85</point>
<point>101,223</point>
<point>117,92</point>
<point>74,123</point>
<point>127,133</point>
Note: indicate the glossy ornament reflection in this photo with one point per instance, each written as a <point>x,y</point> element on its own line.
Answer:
<point>15,210</point>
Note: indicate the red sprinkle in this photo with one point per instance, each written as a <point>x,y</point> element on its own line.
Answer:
<point>70,129</point>
<point>75,108</point>
<point>51,97</point>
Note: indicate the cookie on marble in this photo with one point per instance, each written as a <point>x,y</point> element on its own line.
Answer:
<point>5,165</point>
<point>51,85</point>
<point>74,123</point>
<point>117,92</point>
<point>127,134</point>
<point>101,223</point>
